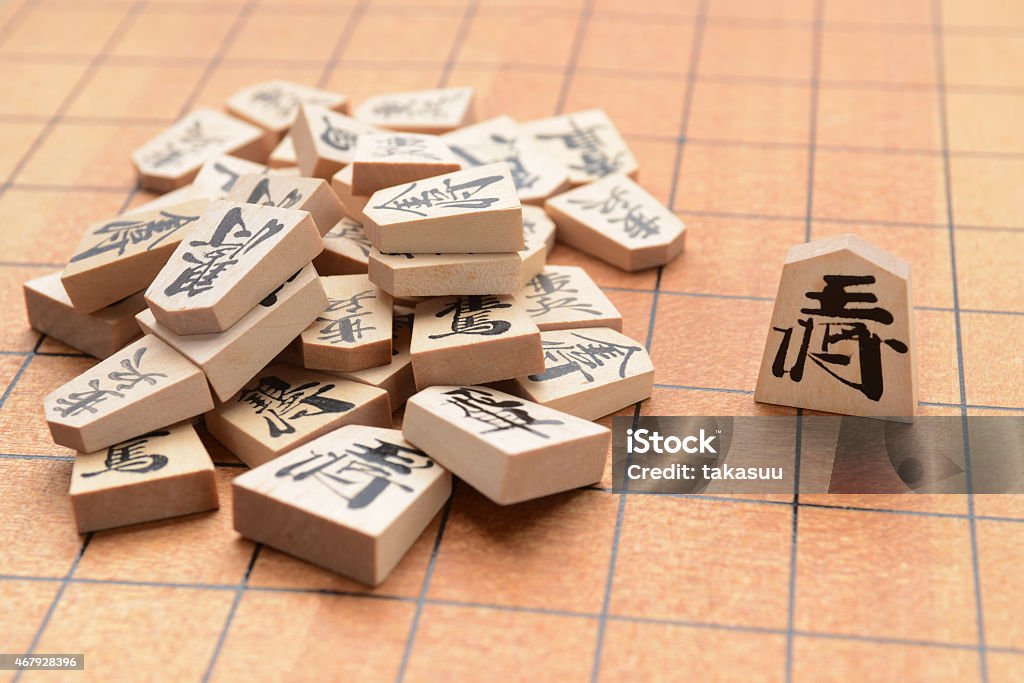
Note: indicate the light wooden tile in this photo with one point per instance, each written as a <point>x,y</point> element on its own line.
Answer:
<point>273,105</point>
<point>325,140</point>
<point>422,111</point>
<point>586,142</point>
<point>388,159</point>
<point>290,192</point>
<point>396,377</point>
<point>564,297</point>
<point>353,330</point>
<point>346,250</point>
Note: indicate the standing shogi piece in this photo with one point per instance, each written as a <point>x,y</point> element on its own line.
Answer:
<point>346,250</point>
<point>536,174</point>
<point>353,501</point>
<point>396,377</point>
<point>564,297</point>
<point>283,156</point>
<point>273,105</point>
<point>341,183</point>
<point>423,111</point>
<point>388,159</point>
<point>118,257</point>
<point>284,406</point>
<point>233,357</point>
<point>586,142</point>
<point>144,386</point>
<point>473,340</point>
<point>236,255</point>
<point>446,274</point>
<point>166,473</point>
<point>617,221</point>
<point>289,192</point>
<point>99,334</point>
<point>589,373</point>
<point>353,331</point>
<point>325,141</point>
<point>507,448</point>
<point>471,211</point>
<point>842,333</point>
<point>173,157</point>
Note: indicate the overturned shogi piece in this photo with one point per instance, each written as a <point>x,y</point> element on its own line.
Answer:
<point>273,105</point>
<point>537,174</point>
<point>421,111</point>
<point>283,156</point>
<point>842,332</point>
<point>165,473</point>
<point>173,157</point>
<point>471,211</point>
<point>144,386</point>
<point>284,406</point>
<point>325,141</point>
<point>564,297</point>
<point>446,274</point>
<point>589,372</point>
<point>586,142</point>
<point>473,340</point>
<point>233,357</point>
<point>346,250</point>
<point>396,377</point>
<point>289,192</point>
<point>235,256</point>
<point>507,448</point>
<point>388,159</point>
<point>353,330</point>
<point>98,334</point>
<point>617,221</point>
<point>353,501</point>
<point>341,183</point>
<point>538,239</point>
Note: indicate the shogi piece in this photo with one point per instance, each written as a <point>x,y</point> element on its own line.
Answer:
<point>173,157</point>
<point>218,176</point>
<point>353,501</point>
<point>346,250</point>
<point>589,373</point>
<point>288,192</point>
<point>354,204</point>
<point>537,174</point>
<point>617,221</point>
<point>283,156</point>
<point>471,211</point>
<point>121,256</point>
<point>473,340</point>
<point>325,141</point>
<point>99,334</point>
<point>507,448</point>
<point>273,105</point>
<point>842,333</point>
<point>233,357</point>
<point>539,239</point>
<point>396,377</point>
<point>388,159</point>
<point>284,407</point>
<point>144,386</point>
<point>166,473</point>
<point>353,330</point>
<point>586,142</point>
<point>235,256</point>
<point>422,111</point>
<point>564,297</point>
<point>446,274</point>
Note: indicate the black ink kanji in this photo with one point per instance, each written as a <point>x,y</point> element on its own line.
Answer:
<point>462,195</point>
<point>582,357</point>
<point>280,404</point>
<point>346,327</point>
<point>118,235</point>
<point>131,456</point>
<point>472,315</point>
<point>497,413</point>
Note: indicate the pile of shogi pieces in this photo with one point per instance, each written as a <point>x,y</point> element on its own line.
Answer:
<point>396,257</point>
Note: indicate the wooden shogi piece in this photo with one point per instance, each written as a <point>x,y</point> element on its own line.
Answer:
<point>217,177</point>
<point>346,250</point>
<point>388,159</point>
<point>353,501</point>
<point>166,473</point>
<point>617,221</point>
<point>288,192</point>
<point>325,141</point>
<point>144,386</point>
<point>473,340</point>
<point>423,111</point>
<point>446,274</point>
<point>173,157</point>
<point>588,372</point>
<point>273,105</point>
<point>283,156</point>
<point>233,357</point>
<point>471,211</point>
<point>507,448</point>
<point>586,142</point>
<point>564,297</point>
<point>537,174</point>
<point>283,407</point>
<point>98,334</point>
<point>841,338</point>
<point>396,377</point>
<point>353,330</point>
<point>410,301</point>
<point>236,255</point>
<point>539,239</point>
<point>354,204</point>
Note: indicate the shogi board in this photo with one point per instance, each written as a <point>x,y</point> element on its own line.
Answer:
<point>712,576</point>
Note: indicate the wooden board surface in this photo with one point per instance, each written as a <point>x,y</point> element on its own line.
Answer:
<point>761,124</point>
